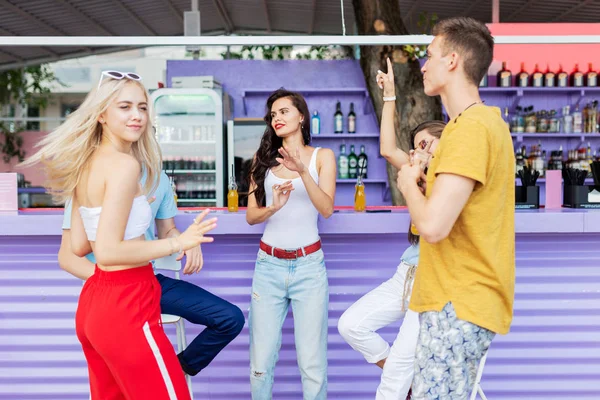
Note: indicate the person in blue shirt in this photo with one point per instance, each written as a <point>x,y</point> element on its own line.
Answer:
<point>223,320</point>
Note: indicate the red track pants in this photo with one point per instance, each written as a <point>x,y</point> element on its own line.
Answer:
<point>128,354</point>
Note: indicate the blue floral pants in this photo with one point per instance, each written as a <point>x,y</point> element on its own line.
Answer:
<point>448,355</point>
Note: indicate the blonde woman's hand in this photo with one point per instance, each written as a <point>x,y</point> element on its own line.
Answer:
<point>194,234</point>
<point>291,159</point>
<point>281,194</point>
<point>385,81</point>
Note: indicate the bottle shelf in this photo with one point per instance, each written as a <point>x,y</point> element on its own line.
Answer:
<point>347,135</point>
<point>543,180</point>
<point>555,135</point>
<point>520,91</point>
<point>190,171</point>
<point>188,142</point>
<point>565,136</point>
<point>196,200</point>
<point>309,92</point>
<point>367,180</point>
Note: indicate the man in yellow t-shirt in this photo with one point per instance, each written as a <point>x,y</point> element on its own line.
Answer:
<point>464,286</point>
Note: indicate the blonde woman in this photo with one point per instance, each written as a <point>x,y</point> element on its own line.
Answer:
<point>96,159</point>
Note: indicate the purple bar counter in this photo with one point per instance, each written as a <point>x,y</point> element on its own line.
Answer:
<point>552,351</point>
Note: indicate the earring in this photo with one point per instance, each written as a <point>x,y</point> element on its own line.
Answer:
<point>101,121</point>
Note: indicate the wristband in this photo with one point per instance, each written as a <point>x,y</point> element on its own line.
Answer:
<point>392,98</point>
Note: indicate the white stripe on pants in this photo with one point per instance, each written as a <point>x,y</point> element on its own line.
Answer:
<point>376,309</point>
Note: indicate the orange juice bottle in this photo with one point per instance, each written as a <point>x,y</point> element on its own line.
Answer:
<point>413,229</point>
<point>232,196</point>
<point>174,188</point>
<point>360,199</point>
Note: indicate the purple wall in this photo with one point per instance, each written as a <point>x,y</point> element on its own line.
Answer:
<point>552,352</point>
<point>323,83</point>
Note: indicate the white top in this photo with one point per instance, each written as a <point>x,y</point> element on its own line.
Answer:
<point>139,220</point>
<point>295,225</point>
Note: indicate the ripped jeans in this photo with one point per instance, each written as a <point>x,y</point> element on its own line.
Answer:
<point>275,284</point>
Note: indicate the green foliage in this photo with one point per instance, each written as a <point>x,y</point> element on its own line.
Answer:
<point>425,24</point>
<point>284,53</point>
<point>24,86</point>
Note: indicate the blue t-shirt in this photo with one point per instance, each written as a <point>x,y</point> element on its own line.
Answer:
<point>163,207</point>
<point>411,255</point>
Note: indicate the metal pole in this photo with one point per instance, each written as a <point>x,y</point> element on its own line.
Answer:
<point>495,11</point>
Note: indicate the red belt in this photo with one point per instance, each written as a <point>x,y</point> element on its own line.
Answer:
<point>290,254</point>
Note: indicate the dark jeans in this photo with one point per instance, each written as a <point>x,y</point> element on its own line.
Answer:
<point>223,320</point>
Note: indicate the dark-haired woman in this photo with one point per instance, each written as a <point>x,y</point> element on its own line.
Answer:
<point>291,183</point>
<point>388,303</point>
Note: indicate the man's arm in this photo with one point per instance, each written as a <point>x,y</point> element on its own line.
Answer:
<point>80,267</point>
<point>194,262</point>
<point>435,216</point>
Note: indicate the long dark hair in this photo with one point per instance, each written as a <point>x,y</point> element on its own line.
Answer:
<point>264,159</point>
<point>434,128</point>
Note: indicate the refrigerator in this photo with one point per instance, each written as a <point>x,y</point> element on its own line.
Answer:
<point>189,129</point>
<point>243,139</point>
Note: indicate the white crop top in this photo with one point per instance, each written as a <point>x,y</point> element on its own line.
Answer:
<point>295,225</point>
<point>139,220</point>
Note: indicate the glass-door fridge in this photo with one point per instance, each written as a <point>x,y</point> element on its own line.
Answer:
<point>189,129</point>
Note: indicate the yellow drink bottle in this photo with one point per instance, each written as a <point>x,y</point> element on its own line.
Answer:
<point>360,199</point>
<point>413,229</point>
<point>232,196</point>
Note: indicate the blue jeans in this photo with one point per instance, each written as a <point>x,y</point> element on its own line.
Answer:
<point>276,283</point>
<point>223,320</point>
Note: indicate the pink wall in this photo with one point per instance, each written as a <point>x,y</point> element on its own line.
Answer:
<point>33,174</point>
<point>552,54</point>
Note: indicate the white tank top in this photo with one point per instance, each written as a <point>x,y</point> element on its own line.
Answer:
<point>295,225</point>
<point>139,219</point>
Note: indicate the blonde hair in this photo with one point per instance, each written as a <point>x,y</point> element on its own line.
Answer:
<point>66,151</point>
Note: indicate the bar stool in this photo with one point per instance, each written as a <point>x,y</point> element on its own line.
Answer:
<point>170,263</point>
<point>477,386</point>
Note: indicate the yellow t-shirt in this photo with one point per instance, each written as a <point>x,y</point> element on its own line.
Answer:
<point>474,267</point>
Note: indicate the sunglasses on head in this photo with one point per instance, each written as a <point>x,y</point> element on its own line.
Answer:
<point>118,76</point>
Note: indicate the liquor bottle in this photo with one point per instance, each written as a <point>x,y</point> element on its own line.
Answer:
<point>519,161</point>
<point>577,120</point>
<point>352,163</point>
<point>315,123</point>
<point>338,119</point>
<point>484,81</point>
<point>549,77</point>
<point>506,117</point>
<point>360,199</point>
<point>591,77</point>
<point>594,117</point>
<point>518,125</point>
<point>576,77</point>
<point>343,163</point>
<point>232,196</point>
<point>351,119</point>
<point>586,117</point>
<point>562,78</point>
<point>363,160</point>
<point>522,77</point>
<point>504,76</point>
<point>567,120</point>
<point>554,126</point>
<point>537,78</point>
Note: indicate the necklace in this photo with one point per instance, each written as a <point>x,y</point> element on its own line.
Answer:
<point>469,106</point>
